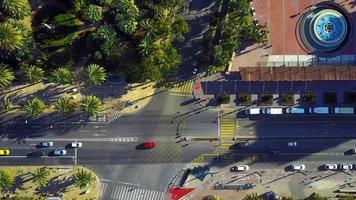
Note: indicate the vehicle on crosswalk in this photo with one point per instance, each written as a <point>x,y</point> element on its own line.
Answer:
<point>239,168</point>
<point>345,166</point>
<point>4,152</point>
<point>298,167</point>
<point>330,166</point>
<point>76,144</point>
<point>46,144</point>
<point>59,152</point>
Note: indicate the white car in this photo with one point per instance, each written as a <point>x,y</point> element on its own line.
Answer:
<point>60,152</point>
<point>353,151</point>
<point>76,144</point>
<point>292,144</point>
<point>331,166</point>
<point>252,111</point>
<point>47,144</point>
<point>345,166</point>
<point>272,111</point>
<point>297,167</point>
<point>240,168</point>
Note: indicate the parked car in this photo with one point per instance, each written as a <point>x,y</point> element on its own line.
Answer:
<point>292,144</point>
<point>330,166</point>
<point>297,167</point>
<point>319,110</point>
<point>239,168</point>
<point>35,154</point>
<point>344,110</point>
<point>272,111</point>
<point>149,145</point>
<point>46,144</point>
<point>353,151</point>
<point>59,152</point>
<point>252,111</point>
<point>345,166</point>
<point>295,110</point>
<point>76,144</point>
<point>4,152</point>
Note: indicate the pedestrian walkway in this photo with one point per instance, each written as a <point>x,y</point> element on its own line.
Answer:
<point>125,139</point>
<point>179,87</point>
<point>110,117</point>
<point>125,192</point>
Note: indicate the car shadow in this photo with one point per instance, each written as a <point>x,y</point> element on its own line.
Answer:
<point>139,147</point>
<point>348,153</point>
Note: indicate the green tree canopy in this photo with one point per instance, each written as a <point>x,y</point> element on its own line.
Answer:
<point>40,177</point>
<point>91,105</point>
<point>95,74</point>
<point>82,178</point>
<point>6,180</point>
<point>92,13</point>
<point>104,37</point>
<point>62,75</point>
<point>34,73</point>
<point>15,9</point>
<point>12,37</point>
<point>126,15</point>
<point>6,75</point>
<point>34,107</point>
<point>64,106</point>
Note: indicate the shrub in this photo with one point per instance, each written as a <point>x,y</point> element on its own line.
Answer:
<point>266,99</point>
<point>330,98</point>
<point>223,98</point>
<point>309,98</point>
<point>244,99</point>
<point>287,99</point>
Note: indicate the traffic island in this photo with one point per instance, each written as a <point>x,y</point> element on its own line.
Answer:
<point>33,182</point>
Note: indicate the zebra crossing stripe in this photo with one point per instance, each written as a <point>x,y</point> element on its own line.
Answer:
<point>102,189</point>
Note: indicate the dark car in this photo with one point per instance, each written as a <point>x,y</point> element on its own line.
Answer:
<point>36,154</point>
<point>273,152</point>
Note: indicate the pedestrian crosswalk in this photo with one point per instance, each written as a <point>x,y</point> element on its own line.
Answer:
<point>179,86</point>
<point>128,192</point>
<point>124,139</point>
<point>227,125</point>
<point>199,159</point>
<point>112,116</point>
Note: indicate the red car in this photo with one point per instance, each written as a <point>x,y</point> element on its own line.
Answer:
<point>149,145</point>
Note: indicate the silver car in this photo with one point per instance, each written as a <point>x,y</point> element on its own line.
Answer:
<point>47,144</point>
<point>60,152</point>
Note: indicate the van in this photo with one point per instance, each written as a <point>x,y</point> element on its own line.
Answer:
<point>295,110</point>
<point>319,110</point>
<point>344,110</point>
<point>272,111</point>
<point>252,111</point>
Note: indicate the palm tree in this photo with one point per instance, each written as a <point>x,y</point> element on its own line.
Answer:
<point>145,46</point>
<point>252,196</point>
<point>16,9</point>
<point>62,75</point>
<point>212,197</point>
<point>11,37</point>
<point>348,197</point>
<point>64,106</point>
<point>34,74</point>
<point>40,177</point>
<point>95,74</point>
<point>34,107</point>
<point>82,178</point>
<point>7,104</point>
<point>91,105</point>
<point>6,180</point>
<point>6,75</point>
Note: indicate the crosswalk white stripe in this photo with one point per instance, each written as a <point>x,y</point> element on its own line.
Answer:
<point>161,196</point>
<point>157,193</point>
<point>136,193</point>
<point>103,188</point>
<point>114,192</point>
<point>123,191</point>
<point>150,194</point>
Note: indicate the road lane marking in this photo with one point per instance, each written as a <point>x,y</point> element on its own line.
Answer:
<point>133,139</point>
<point>69,157</point>
<point>120,182</point>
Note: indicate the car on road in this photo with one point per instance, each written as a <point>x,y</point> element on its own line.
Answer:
<point>253,111</point>
<point>353,151</point>
<point>273,152</point>
<point>330,166</point>
<point>149,145</point>
<point>344,110</point>
<point>298,167</point>
<point>76,144</point>
<point>46,144</point>
<point>239,168</point>
<point>345,166</point>
<point>272,111</point>
<point>35,154</point>
<point>4,152</point>
<point>292,144</point>
<point>59,152</point>
<point>295,110</point>
<point>319,110</point>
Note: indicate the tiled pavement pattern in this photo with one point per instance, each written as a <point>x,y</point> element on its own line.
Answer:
<point>128,192</point>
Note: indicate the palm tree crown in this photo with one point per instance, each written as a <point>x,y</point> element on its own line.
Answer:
<point>11,37</point>
<point>34,74</point>
<point>34,107</point>
<point>62,75</point>
<point>6,180</point>
<point>64,105</point>
<point>95,74</point>
<point>82,178</point>
<point>40,176</point>
<point>6,75</point>
<point>16,9</point>
<point>91,105</point>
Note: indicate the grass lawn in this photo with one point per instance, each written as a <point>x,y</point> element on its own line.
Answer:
<point>59,182</point>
